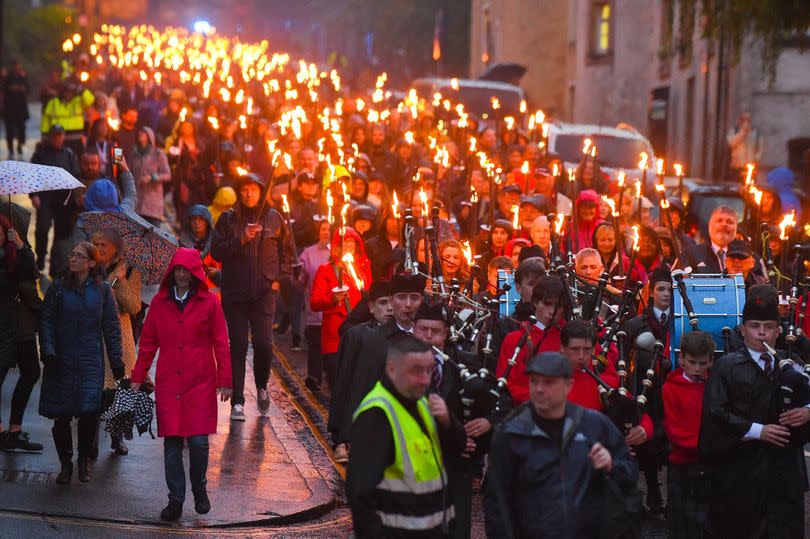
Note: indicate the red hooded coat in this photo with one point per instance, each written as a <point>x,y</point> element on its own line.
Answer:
<point>321,298</point>
<point>195,356</point>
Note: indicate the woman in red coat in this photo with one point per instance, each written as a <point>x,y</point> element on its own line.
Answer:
<point>185,322</point>
<point>336,305</point>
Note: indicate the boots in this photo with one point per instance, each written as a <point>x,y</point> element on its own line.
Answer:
<point>119,446</point>
<point>63,440</point>
<point>85,469</point>
<point>65,474</point>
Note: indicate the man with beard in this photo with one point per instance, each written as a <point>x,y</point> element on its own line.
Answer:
<point>711,257</point>
<point>347,394</point>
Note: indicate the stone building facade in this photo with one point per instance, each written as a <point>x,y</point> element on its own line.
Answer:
<point>645,63</point>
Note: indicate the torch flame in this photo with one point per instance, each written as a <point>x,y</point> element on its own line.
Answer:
<point>555,169</point>
<point>285,206</point>
<point>659,166</point>
<point>586,146</point>
<point>789,220</point>
<point>558,223</point>
<point>678,169</point>
<point>515,218</point>
<point>496,104</point>
<point>638,188</point>
<point>348,259</point>
<point>634,235</point>
<point>473,195</point>
<point>643,159</point>
<point>467,252</point>
<point>620,178</point>
<point>749,173</point>
<point>409,137</point>
<point>756,194</point>
<point>241,171</point>
<point>454,83</point>
<point>524,168</point>
<point>395,206</point>
<point>214,122</point>
<point>423,199</point>
<point>572,175</point>
<point>611,204</point>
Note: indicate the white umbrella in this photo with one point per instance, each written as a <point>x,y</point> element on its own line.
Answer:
<point>21,178</point>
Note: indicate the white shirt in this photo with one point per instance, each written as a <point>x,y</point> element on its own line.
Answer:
<point>406,330</point>
<point>658,312</point>
<point>717,249</point>
<point>182,298</point>
<point>755,432</point>
<point>540,325</point>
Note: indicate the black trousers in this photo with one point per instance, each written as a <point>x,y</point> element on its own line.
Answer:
<point>15,130</point>
<point>314,359</point>
<point>252,320</point>
<point>63,436</point>
<point>330,364</point>
<point>28,363</point>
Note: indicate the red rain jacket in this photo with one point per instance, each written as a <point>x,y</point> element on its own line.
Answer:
<point>321,298</point>
<point>683,408</point>
<point>194,358</point>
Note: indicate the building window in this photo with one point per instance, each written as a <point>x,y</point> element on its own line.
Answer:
<point>602,32</point>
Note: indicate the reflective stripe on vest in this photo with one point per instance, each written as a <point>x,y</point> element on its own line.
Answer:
<point>410,522</point>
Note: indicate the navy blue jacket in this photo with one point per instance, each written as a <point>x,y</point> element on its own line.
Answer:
<point>75,325</point>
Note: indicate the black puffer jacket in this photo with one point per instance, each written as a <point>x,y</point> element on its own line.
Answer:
<point>248,271</point>
<point>76,323</point>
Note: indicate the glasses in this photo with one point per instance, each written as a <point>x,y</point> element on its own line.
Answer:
<point>78,255</point>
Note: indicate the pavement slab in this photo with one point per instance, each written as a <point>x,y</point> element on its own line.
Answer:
<point>259,472</point>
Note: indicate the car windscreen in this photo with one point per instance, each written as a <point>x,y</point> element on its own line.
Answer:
<point>701,206</point>
<point>615,152</point>
<point>475,99</point>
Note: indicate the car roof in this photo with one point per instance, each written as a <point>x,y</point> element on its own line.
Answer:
<point>470,83</point>
<point>622,130</point>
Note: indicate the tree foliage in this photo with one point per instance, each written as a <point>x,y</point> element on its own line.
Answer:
<point>35,36</point>
<point>773,23</point>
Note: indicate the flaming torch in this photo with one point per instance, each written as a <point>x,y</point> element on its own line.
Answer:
<point>634,249</point>
<point>515,220</point>
<point>348,260</point>
<point>785,229</point>
<point>285,206</point>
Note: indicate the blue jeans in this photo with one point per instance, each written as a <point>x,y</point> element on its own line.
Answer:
<point>173,462</point>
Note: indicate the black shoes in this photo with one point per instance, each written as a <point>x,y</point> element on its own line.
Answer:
<point>64,476</point>
<point>18,441</point>
<point>202,504</point>
<point>85,469</point>
<point>119,446</point>
<point>172,511</point>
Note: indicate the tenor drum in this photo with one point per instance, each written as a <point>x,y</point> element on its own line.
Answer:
<point>510,298</point>
<point>718,301</point>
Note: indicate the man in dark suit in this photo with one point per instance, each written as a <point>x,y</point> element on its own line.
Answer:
<point>346,396</point>
<point>758,474</point>
<point>711,257</point>
<point>430,327</point>
<point>365,356</point>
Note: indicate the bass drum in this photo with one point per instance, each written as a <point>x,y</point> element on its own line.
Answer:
<point>510,298</point>
<point>718,301</point>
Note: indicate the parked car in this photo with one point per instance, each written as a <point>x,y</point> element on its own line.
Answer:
<point>618,148</point>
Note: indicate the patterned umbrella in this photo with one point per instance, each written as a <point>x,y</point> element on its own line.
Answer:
<point>145,247</point>
<point>20,178</point>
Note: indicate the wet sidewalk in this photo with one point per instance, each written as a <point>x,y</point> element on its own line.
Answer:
<point>258,472</point>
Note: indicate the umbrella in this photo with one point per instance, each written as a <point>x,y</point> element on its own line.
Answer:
<point>145,247</point>
<point>505,72</point>
<point>129,409</point>
<point>21,178</point>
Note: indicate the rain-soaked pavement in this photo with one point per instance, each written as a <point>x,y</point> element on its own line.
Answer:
<point>266,471</point>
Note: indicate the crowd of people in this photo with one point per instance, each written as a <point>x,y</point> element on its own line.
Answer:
<point>383,240</point>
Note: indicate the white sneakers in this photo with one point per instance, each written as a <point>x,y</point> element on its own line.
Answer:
<point>237,412</point>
